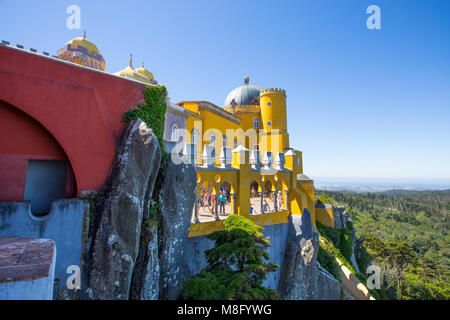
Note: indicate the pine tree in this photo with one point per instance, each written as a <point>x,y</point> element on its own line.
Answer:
<point>236,267</point>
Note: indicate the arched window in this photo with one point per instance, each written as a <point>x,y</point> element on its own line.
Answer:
<point>195,136</point>
<point>212,138</point>
<point>235,143</point>
<point>174,132</point>
<point>256,123</point>
<point>225,140</point>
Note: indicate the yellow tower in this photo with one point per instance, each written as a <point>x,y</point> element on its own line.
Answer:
<point>274,136</point>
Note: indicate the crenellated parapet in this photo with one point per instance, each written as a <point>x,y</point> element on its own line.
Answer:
<point>273,90</point>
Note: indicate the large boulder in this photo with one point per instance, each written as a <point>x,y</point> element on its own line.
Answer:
<point>145,282</point>
<point>176,198</point>
<point>301,276</point>
<point>120,206</point>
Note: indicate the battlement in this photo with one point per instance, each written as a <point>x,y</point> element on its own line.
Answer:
<point>244,107</point>
<point>273,90</point>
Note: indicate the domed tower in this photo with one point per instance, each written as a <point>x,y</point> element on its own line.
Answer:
<point>274,119</point>
<point>83,52</point>
<point>243,102</point>
<point>146,73</point>
<point>245,95</point>
<point>140,74</point>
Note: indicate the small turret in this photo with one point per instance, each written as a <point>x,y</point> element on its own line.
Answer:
<point>274,120</point>
<point>273,109</point>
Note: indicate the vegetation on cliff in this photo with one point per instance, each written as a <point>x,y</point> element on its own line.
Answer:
<point>236,267</point>
<point>152,112</point>
<point>406,235</point>
<point>337,244</point>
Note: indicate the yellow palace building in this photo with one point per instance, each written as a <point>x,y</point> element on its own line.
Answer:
<point>242,155</point>
<point>241,150</point>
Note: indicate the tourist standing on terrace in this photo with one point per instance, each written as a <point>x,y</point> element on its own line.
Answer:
<point>222,201</point>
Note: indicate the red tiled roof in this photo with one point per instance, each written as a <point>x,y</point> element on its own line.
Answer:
<point>25,258</point>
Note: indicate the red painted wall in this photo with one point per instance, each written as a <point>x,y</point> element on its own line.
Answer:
<point>22,138</point>
<point>79,108</point>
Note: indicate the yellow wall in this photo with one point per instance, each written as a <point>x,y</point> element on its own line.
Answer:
<point>273,109</point>
<point>210,123</point>
<point>325,216</point>
<point>274,138</point>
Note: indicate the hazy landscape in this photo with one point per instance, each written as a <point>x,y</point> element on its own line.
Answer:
<point>405,233</point>
<point>380,185</point>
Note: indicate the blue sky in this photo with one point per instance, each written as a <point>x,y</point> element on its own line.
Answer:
<point>361,103</point>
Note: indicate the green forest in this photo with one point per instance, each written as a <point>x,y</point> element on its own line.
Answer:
<point>406,234</point>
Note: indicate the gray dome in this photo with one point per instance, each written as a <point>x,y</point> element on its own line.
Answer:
<point>244,95</point>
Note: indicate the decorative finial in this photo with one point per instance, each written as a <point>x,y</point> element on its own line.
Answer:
<point>246,80</point>
<point>84,35</point>
<point>131,60</point>
<point>143,65</point>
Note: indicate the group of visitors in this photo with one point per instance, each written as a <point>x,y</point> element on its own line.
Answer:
<point>207,200</point>
<point>274,196</point>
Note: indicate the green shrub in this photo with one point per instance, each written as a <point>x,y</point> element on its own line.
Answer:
<point>345,244</point>
<point>328,261</point>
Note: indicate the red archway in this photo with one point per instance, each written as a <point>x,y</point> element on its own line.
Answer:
<point>24,139</point>
<point>80,107</point>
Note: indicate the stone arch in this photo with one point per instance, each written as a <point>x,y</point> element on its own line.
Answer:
<point>256,184</point>
<point>284,184</point>
<point>228,186</point>
<point>269,186</point>
<point>211,186</point>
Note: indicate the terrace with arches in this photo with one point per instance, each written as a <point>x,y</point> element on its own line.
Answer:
<point>266,191</point>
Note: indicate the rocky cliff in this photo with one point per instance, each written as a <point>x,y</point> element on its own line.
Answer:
<point>130,254</point>
<point>302,278</point>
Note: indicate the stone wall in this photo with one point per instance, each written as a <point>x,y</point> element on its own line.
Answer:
<point>173,117</point>
<point>301,276</point>
<point>340,217</point>
<point>294,247</point>
<point>66,225</point>
<point>194,259</point>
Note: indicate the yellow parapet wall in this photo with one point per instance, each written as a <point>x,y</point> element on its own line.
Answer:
<point>324,214</point>
<point>201,229</point>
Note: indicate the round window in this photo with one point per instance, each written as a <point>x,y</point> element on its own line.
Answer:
<point>269,123</point>
<point>269,103</point>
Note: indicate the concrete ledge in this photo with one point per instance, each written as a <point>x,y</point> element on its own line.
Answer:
<point>27,268</point>
<point>352,284</point>
<point>66,225</point>
<point>324,214</point>
<point>271,218</point>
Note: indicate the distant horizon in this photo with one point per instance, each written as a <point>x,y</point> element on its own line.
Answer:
<point>380,184</point>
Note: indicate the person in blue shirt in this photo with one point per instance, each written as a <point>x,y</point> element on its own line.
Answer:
<point>222,202</point>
